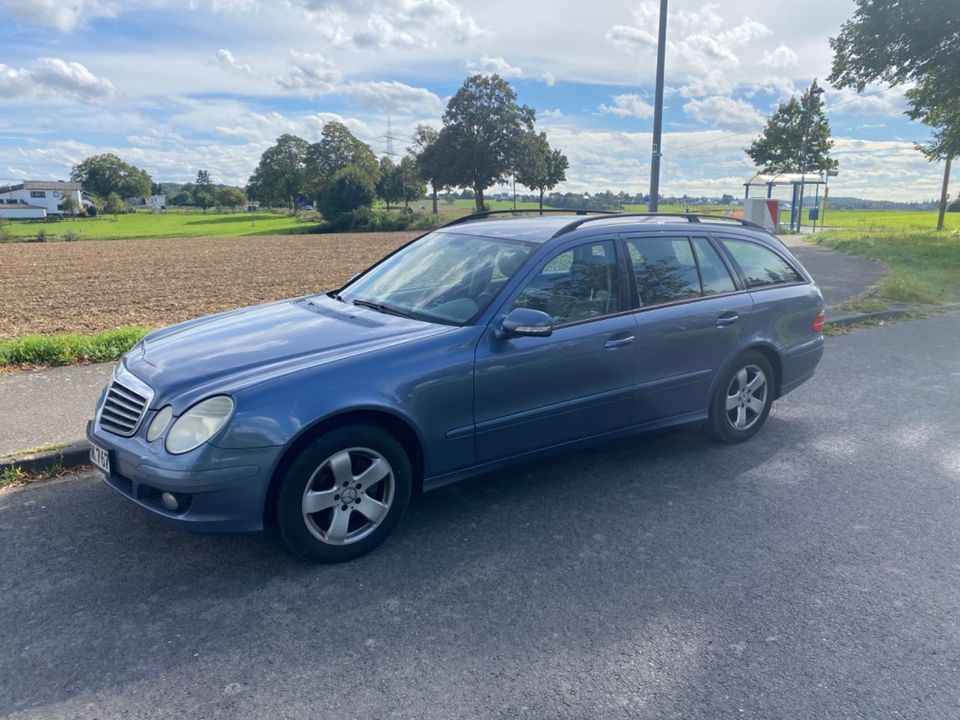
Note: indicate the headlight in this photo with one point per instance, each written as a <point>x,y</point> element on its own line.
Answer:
<point>159,423</point>
<point>199,424</point>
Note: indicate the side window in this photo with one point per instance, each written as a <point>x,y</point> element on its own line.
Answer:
<point>578,284</point>
<point>760,266</point>
<point>716,278</point>
<point>665,269</point>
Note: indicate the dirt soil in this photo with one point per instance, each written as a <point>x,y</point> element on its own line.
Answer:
<point>97,285</point>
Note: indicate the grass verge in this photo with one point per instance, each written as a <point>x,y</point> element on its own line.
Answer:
<point>69,349</point>
<point>924,266</point>
<point>13,476</point>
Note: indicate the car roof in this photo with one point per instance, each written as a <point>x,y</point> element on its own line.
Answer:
<point>539,229</point>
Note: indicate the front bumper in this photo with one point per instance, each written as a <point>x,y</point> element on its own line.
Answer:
<point>218,491</point>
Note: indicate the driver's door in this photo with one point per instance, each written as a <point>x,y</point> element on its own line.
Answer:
<point>536,392</point>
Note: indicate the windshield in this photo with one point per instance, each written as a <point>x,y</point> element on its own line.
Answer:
<point>443,277</point>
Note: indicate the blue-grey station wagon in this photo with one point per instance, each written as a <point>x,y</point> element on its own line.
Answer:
<point>485,342</point>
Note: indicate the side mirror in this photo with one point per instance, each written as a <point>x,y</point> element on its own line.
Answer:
<point>525,322</point>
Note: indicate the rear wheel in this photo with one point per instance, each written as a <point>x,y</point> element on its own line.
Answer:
<point>742,400</point>
<point>343,494</point>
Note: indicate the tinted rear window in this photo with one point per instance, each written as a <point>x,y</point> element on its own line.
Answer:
<point>760,266</point>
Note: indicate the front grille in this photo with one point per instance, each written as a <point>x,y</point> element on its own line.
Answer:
<point>123,409</point>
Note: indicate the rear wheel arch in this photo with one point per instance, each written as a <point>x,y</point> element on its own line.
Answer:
<point>771,355</point>
<point>399,428</point>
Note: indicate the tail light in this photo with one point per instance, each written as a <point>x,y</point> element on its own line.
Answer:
<point>818,321</point>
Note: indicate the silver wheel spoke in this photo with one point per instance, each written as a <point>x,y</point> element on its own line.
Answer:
<point>341,468</point>
<point>337,531</point>
<point>317,500</point>
<point>755,404</point>
<point>732,402</point>
<point>377,471</point>
<point>372,510</point>
<point>742,378</point>
<point>756,383</point>
<point>741,420</point>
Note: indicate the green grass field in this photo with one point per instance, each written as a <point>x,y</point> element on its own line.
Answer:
<point>148,225</point>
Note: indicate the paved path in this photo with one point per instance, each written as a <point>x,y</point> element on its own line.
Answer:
<point>41,407</point>
<point>810,573</point>
<point>840,276</point>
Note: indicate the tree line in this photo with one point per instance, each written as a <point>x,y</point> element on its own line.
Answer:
<point>486,138</point>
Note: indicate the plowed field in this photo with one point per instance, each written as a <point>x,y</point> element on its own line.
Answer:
<point>96,285</point>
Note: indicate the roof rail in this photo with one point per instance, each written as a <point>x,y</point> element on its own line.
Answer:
<point>487,213</point>
<point>689,217</point>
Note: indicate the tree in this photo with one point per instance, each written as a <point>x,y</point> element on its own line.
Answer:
<point>203,180</point>
<point>70,206</point>
<point>107,173</point>
<point>202,199</point>
<point>279,175</point>
<point>351,188</point>
<point>390,185</point>
<point>484,124</point>
<point>796,138</point>
<point>338,148</point>
<point>432,159</point>
<point>113,205</point>
<point>539,167</point>
<point>231,197</point>
<point>916,43</point>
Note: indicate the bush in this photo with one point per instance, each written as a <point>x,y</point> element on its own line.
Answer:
<point>41,236</point>
<point>5,234</point>
<point>368,220</point>
<point>71,236</point>
<point>349,190</point>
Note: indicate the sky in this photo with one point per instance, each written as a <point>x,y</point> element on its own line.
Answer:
<point>177,86</point>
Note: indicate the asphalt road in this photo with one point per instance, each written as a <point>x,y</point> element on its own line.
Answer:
<point>813,572</point>
<point>839,276</point>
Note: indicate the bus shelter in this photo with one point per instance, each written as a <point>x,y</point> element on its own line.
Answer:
<point>789,188</point>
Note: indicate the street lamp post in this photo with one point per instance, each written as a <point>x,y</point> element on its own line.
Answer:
<point>658,112</point>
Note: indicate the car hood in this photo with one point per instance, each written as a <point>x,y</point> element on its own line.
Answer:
<point>229,351</point>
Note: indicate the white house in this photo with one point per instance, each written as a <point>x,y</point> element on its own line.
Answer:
<point>45,194</point>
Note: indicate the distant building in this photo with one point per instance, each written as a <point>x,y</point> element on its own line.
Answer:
<point>43,194</point>
<point>154,202</point>
<point>16,210</point>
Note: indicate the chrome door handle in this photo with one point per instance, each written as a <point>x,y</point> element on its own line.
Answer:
<point>618,342</point>
<point>727,319</point>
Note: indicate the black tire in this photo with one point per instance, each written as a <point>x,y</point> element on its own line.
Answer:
<point>723,423</point>
<point>302,533</point>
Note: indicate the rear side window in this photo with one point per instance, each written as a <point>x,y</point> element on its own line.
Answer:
<point>665,269</point>
<point>760,266</point>
<point>716,278</point>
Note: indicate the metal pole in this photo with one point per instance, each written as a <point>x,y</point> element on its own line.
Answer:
<point>826,193</point>
<point>943,194</point>
<point>658,112</point>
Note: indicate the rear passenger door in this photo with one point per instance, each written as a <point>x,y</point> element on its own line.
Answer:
<point>690,314</point>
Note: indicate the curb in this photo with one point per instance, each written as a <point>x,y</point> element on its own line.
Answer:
<point>854,318</point>
<point>66,458</point>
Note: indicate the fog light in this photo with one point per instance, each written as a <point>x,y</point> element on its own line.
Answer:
<point>169,501</point>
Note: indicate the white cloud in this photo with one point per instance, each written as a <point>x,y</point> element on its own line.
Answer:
<point>229,62</point>
<point>63,16</point>
<point>493,66</point>
<point>724,112</point>
<point>780,57</point>
<point>53,77</point>
<point>629,105</point>
<point>873,101</point>
<point>311,74</point>
<point>393,97</point>
<point>549,78</point>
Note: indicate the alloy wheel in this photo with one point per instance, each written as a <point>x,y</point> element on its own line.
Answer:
<point>746,397</point>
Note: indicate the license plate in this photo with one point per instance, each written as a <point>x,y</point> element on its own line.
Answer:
<point>100,458</point>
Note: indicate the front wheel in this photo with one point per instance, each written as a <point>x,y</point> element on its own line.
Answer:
<point>742,400</point>
<point>343,494</point>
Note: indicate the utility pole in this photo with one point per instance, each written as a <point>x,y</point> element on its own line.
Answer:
<point>813,92</point>
<point>943,194</point>
<point>658,112</point>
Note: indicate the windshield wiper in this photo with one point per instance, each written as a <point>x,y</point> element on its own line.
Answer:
<point>388,309</point>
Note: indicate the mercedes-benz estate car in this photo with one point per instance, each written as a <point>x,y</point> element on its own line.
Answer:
<point>483,343</point>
